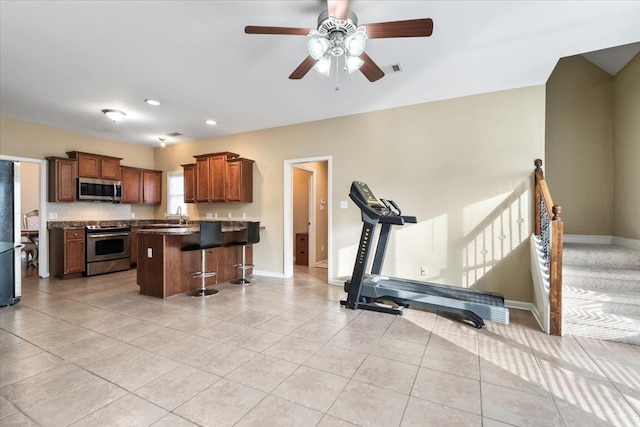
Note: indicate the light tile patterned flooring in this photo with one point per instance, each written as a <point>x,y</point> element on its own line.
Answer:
<point>93,352</point>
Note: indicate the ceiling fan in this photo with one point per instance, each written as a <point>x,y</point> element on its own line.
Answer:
<point>338,34</point>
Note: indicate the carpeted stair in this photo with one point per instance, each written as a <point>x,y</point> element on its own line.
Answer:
<point>601,292</point>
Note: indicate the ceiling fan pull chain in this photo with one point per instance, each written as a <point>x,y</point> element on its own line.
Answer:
<point>337,72</point>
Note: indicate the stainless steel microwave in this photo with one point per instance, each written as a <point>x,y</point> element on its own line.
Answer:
<point>100,190</point>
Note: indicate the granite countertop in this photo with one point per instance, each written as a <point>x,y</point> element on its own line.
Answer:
<point>173,231</point>
<point>228,224</point>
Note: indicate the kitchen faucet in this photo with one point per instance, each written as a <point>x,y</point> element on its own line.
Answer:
<point>179,213</point>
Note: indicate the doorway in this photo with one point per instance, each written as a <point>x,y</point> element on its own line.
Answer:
<point>307,210</point>
<point>37,171</point>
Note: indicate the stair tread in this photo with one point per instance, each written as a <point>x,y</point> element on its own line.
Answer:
<point>613,295</point>
<point>604,319</point>
<point>614,273</point>
<point>589,255</point>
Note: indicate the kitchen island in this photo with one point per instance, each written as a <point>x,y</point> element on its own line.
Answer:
<point>164,269</point>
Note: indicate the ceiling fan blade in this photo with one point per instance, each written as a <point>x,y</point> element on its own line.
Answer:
<point>370,69</point>
<point>339,9</point>
<point>254,29</point>
<point>409,28</point>
<point>303,68</point>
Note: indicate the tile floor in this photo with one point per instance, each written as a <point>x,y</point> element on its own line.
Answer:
<point>93,352</point>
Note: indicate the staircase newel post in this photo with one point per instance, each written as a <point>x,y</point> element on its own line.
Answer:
<point>536,196</point>
<point>555,292</point>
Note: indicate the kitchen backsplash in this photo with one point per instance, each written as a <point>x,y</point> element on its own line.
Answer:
<point>88,211</point>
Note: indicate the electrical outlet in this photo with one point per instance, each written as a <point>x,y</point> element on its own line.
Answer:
<point>149,252</point>
<point>209,215</point>
<point>133,215</point>
<point>53,215</point>
<point>423,270</point>
<point>322,248</point>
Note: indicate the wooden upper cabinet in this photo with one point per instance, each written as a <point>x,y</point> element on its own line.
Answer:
<point>202,179</point>
<point>96,166</point>
<point>189,174</point>
<point>62,179</point>
<point>141,185</point>
<point>152,187</point>
<point>211,173</point>
<point>239,180</point>
<point>131,185</point>
<point>217,178</point>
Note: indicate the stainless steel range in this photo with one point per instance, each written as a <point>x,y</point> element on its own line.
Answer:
<point>108,249</point>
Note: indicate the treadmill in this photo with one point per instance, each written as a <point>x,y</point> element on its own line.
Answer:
<point>366,291</point>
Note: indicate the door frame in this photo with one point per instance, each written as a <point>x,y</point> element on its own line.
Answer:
<point>43,235</point>
<point>288,213</point>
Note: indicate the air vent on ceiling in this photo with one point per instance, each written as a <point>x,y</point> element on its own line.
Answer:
<point>174,134</point>
<point>390,69</point>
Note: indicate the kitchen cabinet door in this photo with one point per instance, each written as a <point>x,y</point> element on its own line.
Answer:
<point>131,185</point>
<point>152,187</point>
<point>134,244</point>
<point>217,178</point>
<point>239,180</point>
<point>189,174</point>
<point>202,180</point>
<point>74,259</point>
<point>62,179</point>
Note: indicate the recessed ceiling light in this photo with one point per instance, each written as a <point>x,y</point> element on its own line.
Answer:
<point>114,115</point>
<point>152,102</point>
<point>210,122</point>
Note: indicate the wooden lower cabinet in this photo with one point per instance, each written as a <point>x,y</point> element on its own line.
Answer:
<point>302,249</point>
<point>67,251</point>
<point>134,244</point>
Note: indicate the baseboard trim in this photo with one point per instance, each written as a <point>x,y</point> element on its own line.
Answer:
<point>626,243</point>
<point>587,239</point>
<point>518,305</point>
<point>602,240</point>
<point>268,274</point>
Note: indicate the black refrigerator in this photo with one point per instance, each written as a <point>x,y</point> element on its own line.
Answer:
<point>10,280</point>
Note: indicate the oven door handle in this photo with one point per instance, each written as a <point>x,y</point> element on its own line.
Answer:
<point>99,236</point>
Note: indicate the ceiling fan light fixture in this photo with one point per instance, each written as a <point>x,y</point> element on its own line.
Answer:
<point>353,63</point>
<point>323,66</point>
<point>317,46</point>
<point>114,115</point>
<point>356,42</point>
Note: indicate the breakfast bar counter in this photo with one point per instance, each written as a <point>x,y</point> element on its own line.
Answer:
<point>164,269</point>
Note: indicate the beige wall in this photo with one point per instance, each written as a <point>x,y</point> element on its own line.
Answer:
<point>22,139</point>
<point>626,107</point>
<point>29,187</point>
<point>593,147</point>
<point>462,166</point>
<point>579,145</point>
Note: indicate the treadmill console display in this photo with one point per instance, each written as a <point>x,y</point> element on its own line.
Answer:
<point>361,191</point>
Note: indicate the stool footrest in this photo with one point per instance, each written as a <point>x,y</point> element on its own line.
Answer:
<point>205,274</point>
<point>243,266</point>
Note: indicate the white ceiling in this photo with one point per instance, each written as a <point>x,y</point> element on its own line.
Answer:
<point>62,62</point>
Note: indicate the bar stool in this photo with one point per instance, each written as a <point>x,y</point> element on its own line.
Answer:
<point>210,237</point>
<point>251,236</point>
